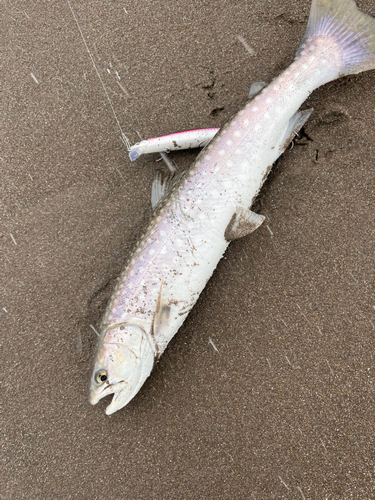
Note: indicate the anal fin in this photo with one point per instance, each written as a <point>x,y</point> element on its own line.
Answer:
<point>294,126</point>
<point>243,222</point>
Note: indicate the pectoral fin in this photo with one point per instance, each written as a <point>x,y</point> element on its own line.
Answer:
<point>243,222</point>
<point>162,312</point>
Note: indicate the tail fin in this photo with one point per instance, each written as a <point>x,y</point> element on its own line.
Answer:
<point>349,27</point>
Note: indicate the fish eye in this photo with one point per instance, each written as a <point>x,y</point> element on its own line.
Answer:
<point>101,376</point>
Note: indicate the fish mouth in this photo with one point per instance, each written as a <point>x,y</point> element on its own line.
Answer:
<point>115,389</point>
<point>122,394</point>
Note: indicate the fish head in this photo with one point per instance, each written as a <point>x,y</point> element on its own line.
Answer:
<point>124,359</point>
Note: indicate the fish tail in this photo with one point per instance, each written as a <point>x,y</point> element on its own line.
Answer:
<point>352,30</point>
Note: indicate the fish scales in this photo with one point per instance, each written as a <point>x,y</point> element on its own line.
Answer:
<point>188,234</point>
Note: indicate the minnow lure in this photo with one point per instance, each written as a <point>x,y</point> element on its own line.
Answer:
<point>187,139</point>
<point>195,218</point>
<point>173,142</point>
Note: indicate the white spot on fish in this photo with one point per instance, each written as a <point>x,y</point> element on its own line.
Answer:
<point>312,58</point>
<point>267,115</point>
<point>216,169</point>
<point>151,252</point>
<point>255,108</point>
<point>162,233</point>
<point>229,142</point>
<point>201,216</point>
<point>268,100</point>
<point>277,87</point>
<point>229,163</point>
<point>237,133</point>
<point>246,122</point>
<point>257,127</point>
<point>163,250</point>
<point>304,66</point>
<point>312,48</point>
<point>221,152</point>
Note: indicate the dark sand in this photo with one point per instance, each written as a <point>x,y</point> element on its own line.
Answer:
<point>285,408</point>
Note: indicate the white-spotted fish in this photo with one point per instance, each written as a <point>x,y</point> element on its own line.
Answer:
<point>195,220</point>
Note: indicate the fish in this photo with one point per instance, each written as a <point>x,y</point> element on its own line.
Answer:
<point>196,215</point>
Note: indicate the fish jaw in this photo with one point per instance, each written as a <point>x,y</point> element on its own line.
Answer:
<point>122,394</point>
<point>124,359</point>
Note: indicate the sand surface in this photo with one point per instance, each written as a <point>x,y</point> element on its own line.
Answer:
<point>284,408</point>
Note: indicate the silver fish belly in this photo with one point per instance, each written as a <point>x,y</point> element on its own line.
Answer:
<point>193,225</point>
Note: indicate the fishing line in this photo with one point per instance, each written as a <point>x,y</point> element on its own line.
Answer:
<point>123,136</point>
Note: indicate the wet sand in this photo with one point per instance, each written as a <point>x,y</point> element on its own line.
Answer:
<point>284,408</point>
